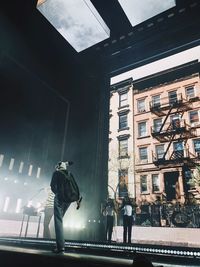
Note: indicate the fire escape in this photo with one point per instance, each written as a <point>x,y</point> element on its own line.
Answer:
<point>176,132</point>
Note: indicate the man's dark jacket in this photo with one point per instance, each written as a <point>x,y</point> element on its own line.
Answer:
<point>60,184</point>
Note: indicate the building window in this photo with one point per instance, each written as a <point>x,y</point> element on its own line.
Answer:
<point>123,99</point>
<point>172,97</point>
<point>175,121</point>
<point>143,154</point>
<point>160,151</point>
<point>178,149</point>
<point>123,183</point>
<point>157,123</point>
<point>123,148</point>
<point>123,121</point>
<point>143,183</point>
<point>156,101</point>
<point>190,93</point>
<point>141,105</point>
<point>196,143</point>
<point>155,183</point>
<point>142,129</point>
<point>194,117</point>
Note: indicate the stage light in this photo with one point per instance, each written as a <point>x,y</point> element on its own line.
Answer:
<point>1,159</point>
<point>11,164</point>
<point>6,203</point>
<point>18,206</point>
<point>77,21</point>
<point>21,166</point>
<point>38,172</point>
<point>30,170</point>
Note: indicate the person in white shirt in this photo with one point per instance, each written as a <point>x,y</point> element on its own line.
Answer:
<point>127,208</point>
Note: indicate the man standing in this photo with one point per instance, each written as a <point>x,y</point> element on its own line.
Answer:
<point>66,191</point>
<point>127,208</point>
<point>109,211</point>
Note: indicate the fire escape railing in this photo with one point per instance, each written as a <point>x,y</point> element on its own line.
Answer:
<point>176,130</point>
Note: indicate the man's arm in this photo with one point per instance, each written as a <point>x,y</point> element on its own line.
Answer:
<point>53,183</point>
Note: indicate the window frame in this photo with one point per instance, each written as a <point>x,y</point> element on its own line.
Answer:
<point>196,140</point>
<point>152,180</point>
<point>139,123</point>
<point>156,104</point>
<point>155,130</point>
<point>156,150</point>
<point>171,101</point>
<point>140,110</point>
<point>123,173</point>
<point>188,95</point>
<point>121,101</point>
<point>143,183</point>
<point>126,121</point>
<point>125,154</point>
<point>189,113</point>
<point>146,160</point>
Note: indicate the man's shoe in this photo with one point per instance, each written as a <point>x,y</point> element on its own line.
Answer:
<point>58,251</point>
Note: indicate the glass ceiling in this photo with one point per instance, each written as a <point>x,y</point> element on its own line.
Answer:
<point>138,11</point>
<point>76,20</point>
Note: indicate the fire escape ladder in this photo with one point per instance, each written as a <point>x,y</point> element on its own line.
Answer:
<point>169,144</point>
<point>167,115</point>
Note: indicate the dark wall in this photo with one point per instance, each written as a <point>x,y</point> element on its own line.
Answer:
<point>43,80</point>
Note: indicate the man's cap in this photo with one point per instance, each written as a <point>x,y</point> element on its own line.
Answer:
<point>68,163</point>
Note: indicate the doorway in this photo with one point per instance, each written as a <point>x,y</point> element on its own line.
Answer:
<point>171,182</point>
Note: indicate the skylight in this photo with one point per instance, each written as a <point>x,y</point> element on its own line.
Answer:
<point>76,20</point>
<point>138,11</point>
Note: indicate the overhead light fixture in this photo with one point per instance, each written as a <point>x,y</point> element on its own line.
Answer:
<point>76,20</point>
<point>138,11</point>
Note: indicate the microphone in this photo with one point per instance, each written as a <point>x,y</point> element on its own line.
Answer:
<point>79,203</point>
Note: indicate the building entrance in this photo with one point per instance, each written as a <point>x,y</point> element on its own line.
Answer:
<point>170,181</point>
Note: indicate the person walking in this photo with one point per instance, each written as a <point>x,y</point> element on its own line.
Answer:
<point>66,191</point>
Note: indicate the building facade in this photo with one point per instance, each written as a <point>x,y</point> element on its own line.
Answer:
<point>121,163</point>
<point>167,139</point>
<point>154,139</point>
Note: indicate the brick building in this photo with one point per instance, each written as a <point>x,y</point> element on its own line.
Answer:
<point>155,135</point>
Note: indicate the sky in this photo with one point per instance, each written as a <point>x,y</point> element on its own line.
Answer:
<point>141,10</point>
<point>159,65</point>
<point>77,21</point>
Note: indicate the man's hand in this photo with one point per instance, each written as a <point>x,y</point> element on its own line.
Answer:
<point>78,202</point>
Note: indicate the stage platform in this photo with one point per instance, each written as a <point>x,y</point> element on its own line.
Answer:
<point>21,252</point>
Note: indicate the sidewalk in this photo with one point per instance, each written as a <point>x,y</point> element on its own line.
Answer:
<point>184,237</point>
